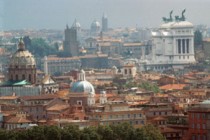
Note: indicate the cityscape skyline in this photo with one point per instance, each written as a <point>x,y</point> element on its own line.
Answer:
<point>30,14</point>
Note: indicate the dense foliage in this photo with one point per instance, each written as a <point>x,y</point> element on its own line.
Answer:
<point>143,85</point>
<point>113,132</point>
<point>39,47</point>
<point>198,39</point>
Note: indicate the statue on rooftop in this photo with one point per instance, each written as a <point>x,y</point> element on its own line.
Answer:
<point>182,18</point>
<point>170,19</point>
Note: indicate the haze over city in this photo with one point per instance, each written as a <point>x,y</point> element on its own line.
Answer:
<point>55,14</point>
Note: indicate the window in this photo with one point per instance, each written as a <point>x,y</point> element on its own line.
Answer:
<point>193,126</point>
<point>198,137</point>
<point>134,115</point>
<point>125,71</point>
<point>198,126</point>
<point>128,115</point>
<point>204,126</point>
<point>16,77</point>
<point>139,115</point>
<point>79,102</point>
<point>203,116</point>
<point>23,77</point>
<point>198,116</point>
<point>192,115</point>
<point>129,71</point>
<point>204,137</point>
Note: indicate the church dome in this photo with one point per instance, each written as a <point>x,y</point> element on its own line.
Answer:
<point>76,25</point>
<point>82,87</point>
<point>22,57</point>
<point>95,26</point>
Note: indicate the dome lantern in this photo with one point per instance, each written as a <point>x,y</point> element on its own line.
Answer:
<point>21,44</point>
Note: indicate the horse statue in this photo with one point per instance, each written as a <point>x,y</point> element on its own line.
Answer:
<point>170,19</point>
<point>182,18</point>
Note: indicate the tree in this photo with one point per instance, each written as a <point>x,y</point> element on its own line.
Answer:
<point>52,133</point>
<point>149,132</point>
<point>122,131</point>
<point>198,38</point>
<point>27,41</point>
<point>106,133</point>
<point>39,47</point>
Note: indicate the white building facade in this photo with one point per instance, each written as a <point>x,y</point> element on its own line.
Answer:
<point>172,47</point>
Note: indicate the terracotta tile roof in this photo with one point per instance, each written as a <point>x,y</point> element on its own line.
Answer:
<point>168,130</point>
<point>179,95</point>
<point>8,97</point>
<point>39,97</point>
<point>159,118</point>
<point>160,95</point>
<point>18,120</point>
<point>58,107</point>
<point>173,87</point>
<point>63,93</point>
<point>206,78</point>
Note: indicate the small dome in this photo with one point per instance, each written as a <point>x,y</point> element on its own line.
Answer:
<point>95,23</point>
<point>76,25</point>
<point>114,67</point>
<point>22,56</point>
<point>82,87</point>
<point>95,26</point>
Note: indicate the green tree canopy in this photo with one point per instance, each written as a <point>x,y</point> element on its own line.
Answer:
<point>114,132</point>
<point>39,47</point>
<point>198,38</point>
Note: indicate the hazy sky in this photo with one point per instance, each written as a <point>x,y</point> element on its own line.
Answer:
<point>55,14</point>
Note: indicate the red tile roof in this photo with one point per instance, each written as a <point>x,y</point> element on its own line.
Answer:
<point>173,87</point>
<point>18,120</point>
